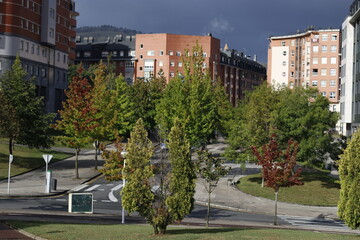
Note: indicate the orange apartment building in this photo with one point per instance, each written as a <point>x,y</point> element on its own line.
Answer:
<point>308,59</point>
<point>43,34</point>
<point>165,51</point>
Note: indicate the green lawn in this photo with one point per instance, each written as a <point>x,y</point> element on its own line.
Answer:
<point>319,189</point>
<point>61,231</point>
<point>25,159</point>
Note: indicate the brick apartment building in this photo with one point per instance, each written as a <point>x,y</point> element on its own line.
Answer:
<point>43,34</point>
<point>145,56</point>
<point>307,59</point>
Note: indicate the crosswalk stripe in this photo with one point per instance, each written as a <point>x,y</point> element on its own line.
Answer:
<point>78,188</point>
<point>92,188</point>
<point>117,187</point>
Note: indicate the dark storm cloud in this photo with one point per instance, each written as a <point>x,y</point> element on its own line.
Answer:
<point>243,24</point>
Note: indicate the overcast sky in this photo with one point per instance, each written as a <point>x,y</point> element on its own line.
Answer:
<point>244,25</point>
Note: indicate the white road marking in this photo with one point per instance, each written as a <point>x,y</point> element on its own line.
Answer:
<point>108,201</point>
<point>61,200</point>
<point>92,188</point>
<point>111,193</point>
<point>78,188</point>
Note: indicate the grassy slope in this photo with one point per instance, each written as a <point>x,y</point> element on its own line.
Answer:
<point>59,231</point>
<point>319,189</point>
<point>25,159</point>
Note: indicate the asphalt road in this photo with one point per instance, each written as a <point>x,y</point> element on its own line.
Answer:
<point>107,210</point>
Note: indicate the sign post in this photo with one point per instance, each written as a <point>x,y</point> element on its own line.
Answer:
<point>11,158</point>
<point>47,159</point>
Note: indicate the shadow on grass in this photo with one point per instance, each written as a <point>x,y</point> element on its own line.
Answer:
<point>306,177</point>
<point>201,230</point>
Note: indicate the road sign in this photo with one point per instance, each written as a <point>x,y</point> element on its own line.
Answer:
<point>47,158</point>
<point>80,203</point>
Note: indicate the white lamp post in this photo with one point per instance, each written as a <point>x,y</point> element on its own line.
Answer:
<point>123,154</point>
<point>11,158</point>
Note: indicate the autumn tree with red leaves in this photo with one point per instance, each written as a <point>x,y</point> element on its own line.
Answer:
<point>77,116</point>
<point>278,166</point>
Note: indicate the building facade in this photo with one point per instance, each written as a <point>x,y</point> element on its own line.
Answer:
<point>118,50</point>
<point>308,59</point>
<point>239,74</point>
<point>350,72</point>
<point>43,34</point>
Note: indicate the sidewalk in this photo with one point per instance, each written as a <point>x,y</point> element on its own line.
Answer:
<point>32,184</point>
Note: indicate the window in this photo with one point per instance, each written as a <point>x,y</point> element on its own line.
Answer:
<point>316,36</point>
<point>172,64</point>
<point>292,53</point>
<point>292,42</point>
<point>323,94</point>
<point>160,63</point>
<point>333,37</point>
<point>38,50</point>
<point>64,59</point>
<point>292,74</point>
<point>282,43</point>
<point>284,53</point>
<point>27,47</point>
<point>171,53</point>
<point>314,83</point>
<point>151,53</point>
<point>21,45</point>
<point>292,64</point>
<point>140,68</point>
<point>172,74</point>
<point>114,53</point>
<point>204,65</point>
<point>332,95</point>
<point>31,70</point>
<point>323,83</point>
<point>51,33</point>
<point>161,53</point>
<point>333,72</point>
<point>323,72</point>
<point>58,56</point>
<point>87,54</point>
<point>315,48</point>
<point>284,63</point>
<point>324,60</point>
<point>315,72</point>
<point>308,50</point>
<point>324,48</point>
<point>284,74</point>
<point>333,48</point>
<point>43,72</point>
<point>52,13</point>
<point>0,66</point>
<point>129,64</point>
<point>141,46</point>
<point>324,37</point>
<point>104,53</point>
<point>333,60</point>
<point>178,54</point>
<point>121,53</point>
<point>179,64</point>
<point>32,48</point>
<point>141,56</point>
<point>315,60</point>
<point>332,83</point>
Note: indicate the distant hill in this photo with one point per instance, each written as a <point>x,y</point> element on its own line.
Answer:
<point>100,33</point>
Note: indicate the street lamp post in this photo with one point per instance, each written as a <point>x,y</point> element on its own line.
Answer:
<point>123,154</point>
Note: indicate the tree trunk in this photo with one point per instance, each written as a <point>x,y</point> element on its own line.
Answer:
<point>276,199</point>
<point>97,144</point>
<point>208,208</point>
<point>77,163</point>
<point>10,146</point>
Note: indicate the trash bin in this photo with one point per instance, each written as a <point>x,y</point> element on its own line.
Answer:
<point>53,184</point>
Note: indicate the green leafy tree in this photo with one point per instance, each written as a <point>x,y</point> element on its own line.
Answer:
<point>114,162</point>
<point>349,172</point>
<point>146,93</point>
<point>180,200</point>
<point>304,116</point>
<point>278,166</point>
<point>77,117</point>
<point>191,98</point>
<point>209,170</point>
<point>137,195</point>
<point>164,192</point>
<point>22,116</point>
